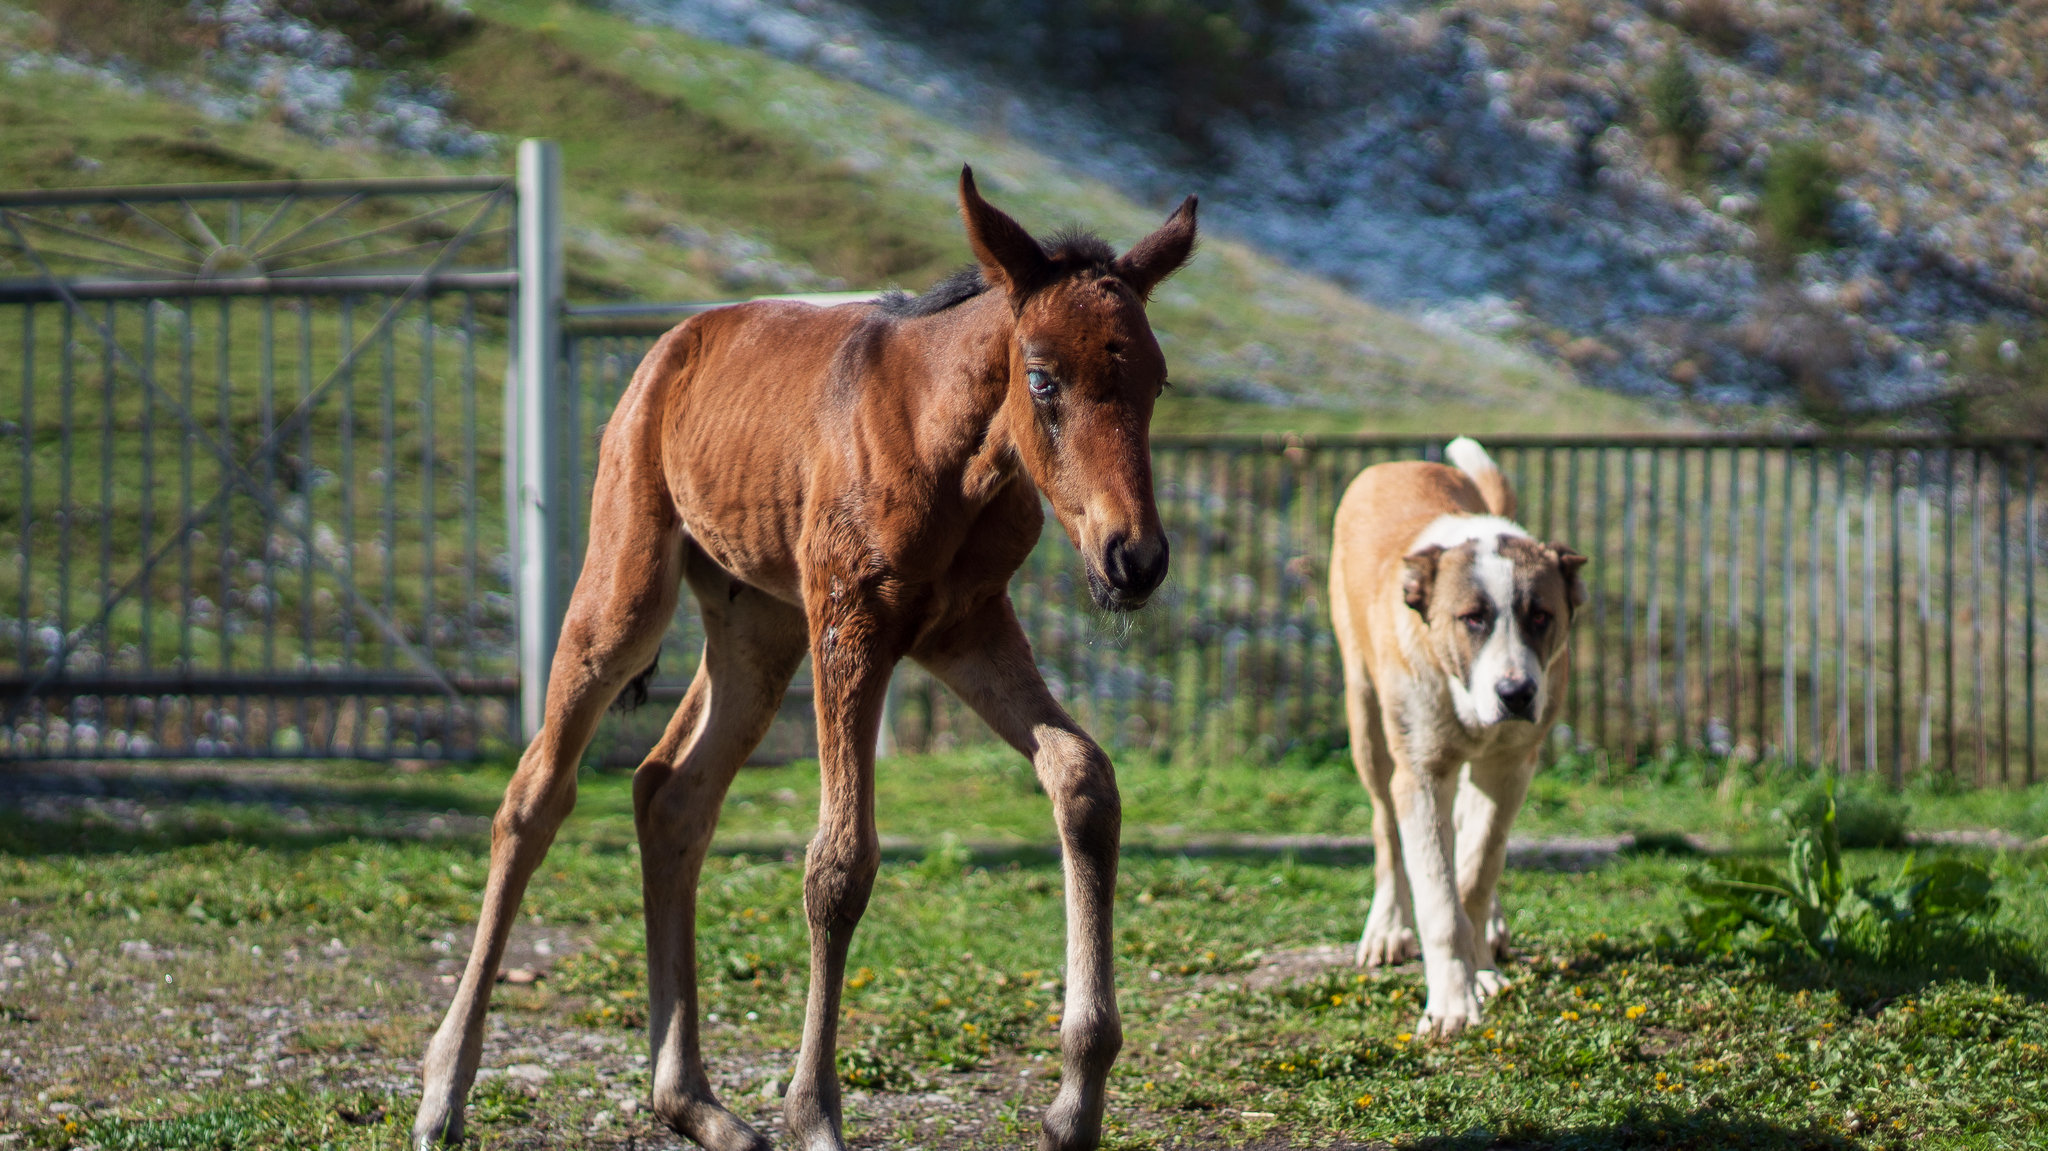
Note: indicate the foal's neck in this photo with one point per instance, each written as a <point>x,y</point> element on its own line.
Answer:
<point>957,403</point>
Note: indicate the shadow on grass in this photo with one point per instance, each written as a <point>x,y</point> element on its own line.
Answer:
<point>1864,984</point>
<point>1701,1130</point>
<point>71,811</point>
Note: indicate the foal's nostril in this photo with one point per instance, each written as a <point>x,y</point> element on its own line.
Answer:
<point>1518,695</point>
<point>1135,567</point>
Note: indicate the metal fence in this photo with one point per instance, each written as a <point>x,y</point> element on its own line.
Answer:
<point>251,506</point>
<point>255,444</point>
<point>1867,604</point>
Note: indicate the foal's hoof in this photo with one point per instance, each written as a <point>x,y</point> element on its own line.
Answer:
<point>1070,1124</point>
<point>437,1130</point>
<point>712,1127</point>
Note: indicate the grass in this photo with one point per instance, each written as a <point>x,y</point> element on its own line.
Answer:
<point>253,958</point>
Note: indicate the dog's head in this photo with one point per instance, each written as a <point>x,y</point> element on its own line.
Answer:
<point>1496,608</point>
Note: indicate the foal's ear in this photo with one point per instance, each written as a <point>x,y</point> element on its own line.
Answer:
<point>1160,254</point>
<point>1008,256</point>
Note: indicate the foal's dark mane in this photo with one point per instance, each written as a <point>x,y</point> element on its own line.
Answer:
<point>1070,250</point>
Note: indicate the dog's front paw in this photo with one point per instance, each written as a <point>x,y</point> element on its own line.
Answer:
<point>1386,944</point>
<point>1491,982</point>
<point>1447,1013</point>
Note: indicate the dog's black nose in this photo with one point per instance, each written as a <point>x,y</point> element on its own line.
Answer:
<point>1518,695</point>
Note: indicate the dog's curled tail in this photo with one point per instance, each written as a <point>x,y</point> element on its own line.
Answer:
<point>1472,459</point>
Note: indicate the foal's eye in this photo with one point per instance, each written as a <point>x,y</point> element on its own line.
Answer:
<point>1041,382</point>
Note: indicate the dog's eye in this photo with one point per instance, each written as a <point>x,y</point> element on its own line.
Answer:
<point>1476,620</point>
<point>1538,618</point>
<point>1041,381</point>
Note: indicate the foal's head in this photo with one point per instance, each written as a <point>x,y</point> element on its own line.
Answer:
<point>1084,373</point>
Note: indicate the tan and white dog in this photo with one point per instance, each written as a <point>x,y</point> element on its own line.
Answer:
<point>1453,623</point>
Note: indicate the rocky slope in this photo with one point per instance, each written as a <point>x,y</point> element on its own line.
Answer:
<point>1532,168</point>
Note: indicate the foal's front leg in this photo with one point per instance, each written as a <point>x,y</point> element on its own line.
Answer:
<point>850,674</point>
<point>988,663</point>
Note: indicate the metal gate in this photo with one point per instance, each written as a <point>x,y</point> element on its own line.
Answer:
<point>250,512</point>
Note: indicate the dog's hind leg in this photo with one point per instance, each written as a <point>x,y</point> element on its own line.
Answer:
<point>616,617</point>
<point>752,645</point>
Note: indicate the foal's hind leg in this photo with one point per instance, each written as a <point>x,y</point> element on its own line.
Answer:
<point>752,646</point>
<point>987,662</point>
<point>616,618</point>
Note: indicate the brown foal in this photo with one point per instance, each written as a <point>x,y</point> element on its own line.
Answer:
<point>858,483</point>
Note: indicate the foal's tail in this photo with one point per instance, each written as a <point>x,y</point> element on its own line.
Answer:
<point>1493,487</point>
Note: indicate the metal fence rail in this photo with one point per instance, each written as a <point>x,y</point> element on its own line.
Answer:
<point>248,509</point>
<point>1868,604</point>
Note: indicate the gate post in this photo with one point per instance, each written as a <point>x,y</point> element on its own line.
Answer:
<point>534,466</point>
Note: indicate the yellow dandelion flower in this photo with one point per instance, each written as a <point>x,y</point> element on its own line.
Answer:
<point>1404,1037</point>
<point>1638,1011</point>
<point>1570,1017</point>
<point>1363,1101</point>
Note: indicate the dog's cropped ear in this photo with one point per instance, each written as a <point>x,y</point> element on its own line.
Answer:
<point>1418,577</point>
<point>1568,564</point>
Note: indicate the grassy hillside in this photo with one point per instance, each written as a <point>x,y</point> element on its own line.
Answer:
<point>699,170</point>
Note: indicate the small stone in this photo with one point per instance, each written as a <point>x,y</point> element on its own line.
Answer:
<point>521,976</point>
<point>62,1108</point>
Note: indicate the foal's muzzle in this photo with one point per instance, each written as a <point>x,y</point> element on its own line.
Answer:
<point>1128,572</point>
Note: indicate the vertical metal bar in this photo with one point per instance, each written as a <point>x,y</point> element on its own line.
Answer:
<point>28,479</point>
<point>1870,662</point>
<point>2032,570</point>
<point>1842,735</point>
<point>1790,654</point>
<point>147,526</point>
<point>2004,626</point>
<point>67,381</point>
<point>1813,606</point>
<point>469,499</point>
<point>541,595</point>
<point>1977,611</point>
<point>309,643</point>
<point>109,397</point>
<point>1763,594</point>
<point>1898,648</point>
<point>1925,548</point>
<point>349,480</point>
<point>1599,589</point>
<point>1653,588</point>
<point>1706,677</point>
<point>1948,611</point>
<point>388,526</point>
<point>1736,680</point>
<point>186,342</point>
<point>1679,520</point>
<point>1628,597</point>
<point>224,396</point>
<point>267,414</point>
<point>1575,705</point>
<point>430,570</point>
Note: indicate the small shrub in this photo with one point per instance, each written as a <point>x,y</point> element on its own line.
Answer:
<point>1679,105</point>
<point>1800,193</point>
<point>1862,820</point>
<point>1812,906</point>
